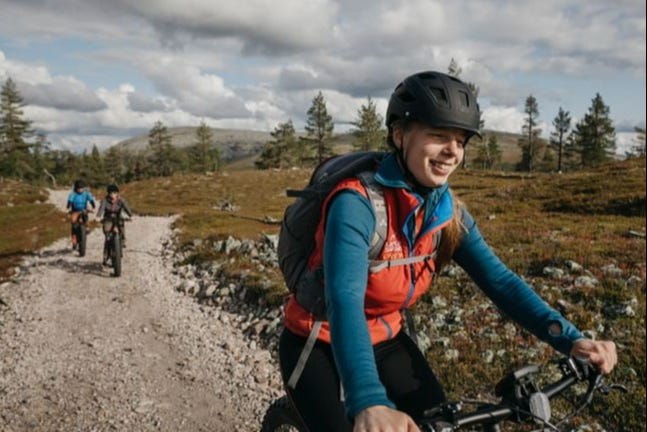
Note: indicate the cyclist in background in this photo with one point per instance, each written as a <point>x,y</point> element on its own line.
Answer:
<point>364,374</point>
<point>77,203</point>
<point>110,209</point>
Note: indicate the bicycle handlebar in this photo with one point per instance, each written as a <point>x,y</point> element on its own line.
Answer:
<point>521,399</point>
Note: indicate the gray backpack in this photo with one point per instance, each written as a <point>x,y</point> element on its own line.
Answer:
<point>301,218</point>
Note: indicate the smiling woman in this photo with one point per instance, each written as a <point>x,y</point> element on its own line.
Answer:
<point>354,343</point>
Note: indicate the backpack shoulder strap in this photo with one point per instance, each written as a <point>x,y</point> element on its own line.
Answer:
<point>376,197</point>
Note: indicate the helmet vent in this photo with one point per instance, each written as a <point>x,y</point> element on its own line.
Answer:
<point>406,97</point>
<point>464,99</point>
<point>440,94</point>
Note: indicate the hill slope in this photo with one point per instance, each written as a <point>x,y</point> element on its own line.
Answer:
<point>234,144</point>
<point>243,146</point>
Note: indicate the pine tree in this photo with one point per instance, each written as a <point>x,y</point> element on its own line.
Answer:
<point>639,148</point>
<point>15,157</point>
<point>161,160</point>
<point>320,127</point>
<point>572,153</point>
<point>562,123</point>
<point>95,168</point>
<point>282,151</point>
<point>489,153</point>
<point>369,135</point>
<point>454,69</point>
<point>202,155</point>
<point>595,136</point>
<point>39,159</point>
<point>116,162</point>
<point>529,142</point>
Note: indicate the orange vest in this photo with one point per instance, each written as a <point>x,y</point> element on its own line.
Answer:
<point>389,290</point>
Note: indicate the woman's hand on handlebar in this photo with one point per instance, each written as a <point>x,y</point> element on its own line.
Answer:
<point>382,418</point>
<point>601,354</point>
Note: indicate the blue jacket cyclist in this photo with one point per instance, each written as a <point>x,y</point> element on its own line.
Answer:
<point>77,204</point>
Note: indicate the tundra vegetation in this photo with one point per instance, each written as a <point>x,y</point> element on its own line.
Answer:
<point>551,228</point>
<point>536,222</point>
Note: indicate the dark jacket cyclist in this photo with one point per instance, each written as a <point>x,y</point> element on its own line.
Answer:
<point>110,210</point>
<point>364,373</point>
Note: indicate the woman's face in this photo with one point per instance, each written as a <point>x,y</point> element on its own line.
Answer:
<point>431,154</point>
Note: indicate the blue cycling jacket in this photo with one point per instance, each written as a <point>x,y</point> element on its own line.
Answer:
<point>79,201</point>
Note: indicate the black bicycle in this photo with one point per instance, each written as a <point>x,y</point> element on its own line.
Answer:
<point>113,245</point>
<point>80,231</point>
<point>521,400</point>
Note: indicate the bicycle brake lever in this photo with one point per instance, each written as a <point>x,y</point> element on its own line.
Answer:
<point>595,383</point>
<point>606,389</point>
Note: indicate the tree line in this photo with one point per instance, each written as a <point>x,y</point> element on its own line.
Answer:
<point>590,141</point>
<point>27,155</point>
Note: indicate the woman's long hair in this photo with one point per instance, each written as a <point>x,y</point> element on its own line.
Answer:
<point>451,235</point>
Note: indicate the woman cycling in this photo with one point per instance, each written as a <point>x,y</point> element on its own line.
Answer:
<point>110,213</point>
<point>77,204</point>
<point>364,373</point>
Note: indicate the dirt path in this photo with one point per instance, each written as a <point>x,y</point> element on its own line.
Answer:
<point>81,350</point>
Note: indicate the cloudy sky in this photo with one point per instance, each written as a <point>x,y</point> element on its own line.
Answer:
<point>99,71</point>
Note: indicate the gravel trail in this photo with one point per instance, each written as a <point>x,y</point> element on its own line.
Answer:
<point>81,350</point>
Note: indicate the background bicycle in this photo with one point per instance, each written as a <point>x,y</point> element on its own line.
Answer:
<point>80,231</point>
<point>113,246</point>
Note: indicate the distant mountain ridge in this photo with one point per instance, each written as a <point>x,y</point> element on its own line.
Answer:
<point>244,145</point>
<point>234,144</point>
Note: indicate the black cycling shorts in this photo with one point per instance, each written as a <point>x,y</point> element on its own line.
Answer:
<point>405,373</point>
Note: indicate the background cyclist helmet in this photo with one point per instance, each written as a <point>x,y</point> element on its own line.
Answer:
<point>79,184</point>
<point>435,99</point>
<point>112,188</point>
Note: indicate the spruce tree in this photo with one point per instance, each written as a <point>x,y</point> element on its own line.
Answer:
<point>562,124</point>
<point>39,159</point>
<point>319,127</point>
<point>15,157</point>
<point>202,155</point>
<point>529,142</point>
<point>161,159</point>
<point>488,153</point>
<point>116,162</point>
<point>639,147</point>
<point>281,152</point>
<point>369,135</point>
<point>595,136</point>
<point>454,69</point>
<point>95,167</point>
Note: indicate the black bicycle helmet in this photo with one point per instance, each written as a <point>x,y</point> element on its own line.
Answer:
<point>112,188</point>
<point>435,99</point>
<point>79,184</point>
